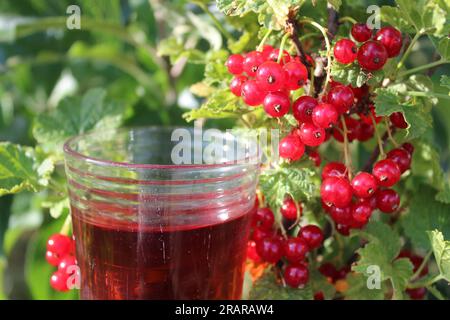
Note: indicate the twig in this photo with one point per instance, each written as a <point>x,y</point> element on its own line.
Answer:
<point>293,28</point>
<point>333,22</point>
<point>376,152</point>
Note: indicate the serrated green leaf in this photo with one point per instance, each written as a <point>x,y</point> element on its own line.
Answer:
<point>425,15</point>
<point>382,250</point>
<point>275,184</point>
<point>221,104</point>
<point>392,99</point>
<point>358,289</point>
<point>394,17</point>
<point>353,75</point>
<point>175,50</point>
<point>441,250</point>
<point>21,169</point>
<point>74,116</point>
<point>425,213</point>
<point>216,73</point>
<point>267,288</point>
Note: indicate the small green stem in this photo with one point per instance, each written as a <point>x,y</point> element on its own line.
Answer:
<point>408,51</point>
<point>377,133</point>
<point>347,157</point>
<point>435,292</point>
<point>421,284</point>
<point>427,94</point>
<point>66,226</point>
<point>424,67</point>
<point>263,40</point>
<point>422,265</point>
<point>389,132</point>
<point>347,19</point>
<point>283,42</point>
<point>217,23</point>
<point>328,46</point>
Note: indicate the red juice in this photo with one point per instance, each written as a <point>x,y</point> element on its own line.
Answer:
<point>188,262</point>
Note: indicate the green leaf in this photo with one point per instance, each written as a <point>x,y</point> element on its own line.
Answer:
<point>444,194</point>
<point>382,250</point>
<point>352,74</point>
<point>21,169</point>
<point>358,289</point>
<point>216,73</point>
<point>443,48</point>
<point>425,214</point>
<point>74,116</point>
<point>268,288</point>
<point>394,17</point>
<point>275,184</point>
<point>58,207</point>
<point>392,99</point>
<point>441,250</point>
<point>445,81</point>
<point>319,283</point>
<point>175,50</point>
<point>221,104</point>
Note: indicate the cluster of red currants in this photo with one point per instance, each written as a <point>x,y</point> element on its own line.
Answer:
<point>289,253</point>
<point>374,52</point>
<point>60,253</point>
<point>370,190</point>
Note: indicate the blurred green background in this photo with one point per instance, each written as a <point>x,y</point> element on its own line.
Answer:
<point>41,62</point>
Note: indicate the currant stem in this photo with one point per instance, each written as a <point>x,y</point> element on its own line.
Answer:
<point>283,42</point>
<point>263,40</point>
<point>422,266</point>
<point>408,51</point>
<point>377,133</point>
<point>347,19</point>
<point>435,292</point>
<point>424,67</point>
<point>347,157</point>
<point>389,132</point>
<point>328,46</point>
<point>428,94</point>
<point>297,221</point>
<point>421,284</point>
<point>66,226</point>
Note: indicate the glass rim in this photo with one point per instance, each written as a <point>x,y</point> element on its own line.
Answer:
<point>69,151</point>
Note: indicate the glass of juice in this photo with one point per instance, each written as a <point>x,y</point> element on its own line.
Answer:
<point>158,213</point>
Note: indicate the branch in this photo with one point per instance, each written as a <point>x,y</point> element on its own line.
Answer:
<point>293,29</point>
<point>333,22</point>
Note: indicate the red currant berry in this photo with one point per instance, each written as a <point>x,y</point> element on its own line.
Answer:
<point>361,212</point>
<point>364,185</point>
<point>401,157</point>
<point>417,293</point>
<point>271,76</point>
<point>276,104</point>
<point>398,120</point>
<point>372,55</point>
<point>265,218</point>
<point>236,85</point>
<point>58,281</point>
<point>285,57</point>
<point>341,215</point>
<point>295,249</point>
<point>337,192</point>
<point>408,147</point>
<point>319,296</point>
<point>360,92</point>
<point>367,118</point>
<point>325,115</point>
<point>66,262</point>
<point>315,158</point>
<point>353,130</point>
<point>270,249</point>
<point>252,93</point>
<point>259,234</point>
<point>266,51</point>
<point>334,169</point>
<point>341,97</point>
<point>417,262</point>
<point>312,235</point>
<point>251,252</point>
<point>365,132</point>
<point>329,270</point>
<point>291,147</point>
<point>391,39</point>
<point>252,61</point>
<point>234,64</point>
<point>52,258</point>
<point>59,244</point>
<point>345,51</point>
<point>296,275</point>
<point>303,108</point>
<point>289,209</point>
<point>361,32</point>
<point>386,172</point>
<point>343,229</point>
<point>296,75</point>
<point>311,135</point>
<point>388,200</point>
<point>371,201</point>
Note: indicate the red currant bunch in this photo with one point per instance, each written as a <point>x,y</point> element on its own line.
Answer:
<point>60,253</point>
